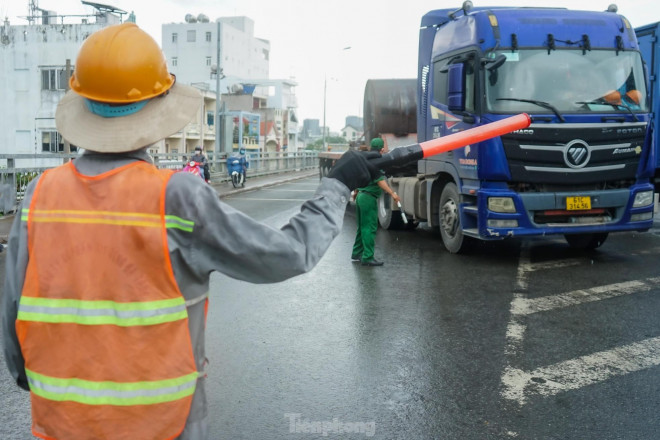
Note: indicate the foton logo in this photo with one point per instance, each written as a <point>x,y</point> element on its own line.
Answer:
<point>629,130</point>
<point>577,153</point>
<point>524,132</point>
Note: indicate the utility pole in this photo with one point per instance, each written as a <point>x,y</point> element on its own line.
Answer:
<point>325,87</point>
<point>218,74</point>
<point>67,72</point>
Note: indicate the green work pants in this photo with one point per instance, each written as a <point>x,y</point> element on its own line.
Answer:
<point>366,216</point>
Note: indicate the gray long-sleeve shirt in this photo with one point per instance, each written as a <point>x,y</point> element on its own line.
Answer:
<point>223,240</point>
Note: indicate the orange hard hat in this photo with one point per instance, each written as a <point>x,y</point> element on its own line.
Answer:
<point>613,97</point>
<point>634,96</point>
<point>120,64</point>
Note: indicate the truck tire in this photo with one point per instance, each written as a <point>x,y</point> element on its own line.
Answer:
<point>450,220</point>
<point>586,241</point>
<point>387,218</point>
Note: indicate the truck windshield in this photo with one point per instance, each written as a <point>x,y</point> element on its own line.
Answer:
<point>567,80</point>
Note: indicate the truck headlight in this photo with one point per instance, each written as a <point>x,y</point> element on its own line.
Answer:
<point>501,204</point>
<point>643,198</point>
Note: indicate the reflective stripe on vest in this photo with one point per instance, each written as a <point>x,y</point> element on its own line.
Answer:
<point>101,312</point>
<point>108,218</point>
<point>111,393</point>
<point>102,324</point>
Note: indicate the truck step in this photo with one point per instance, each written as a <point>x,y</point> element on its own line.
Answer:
<point>472,210</point>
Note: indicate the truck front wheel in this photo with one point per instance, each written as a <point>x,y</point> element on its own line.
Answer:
<point>387,218</point>
<point>450,220</point>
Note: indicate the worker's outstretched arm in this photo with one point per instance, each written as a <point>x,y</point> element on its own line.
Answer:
<point>228,241</point>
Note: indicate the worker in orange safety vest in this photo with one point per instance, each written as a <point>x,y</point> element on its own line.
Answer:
<point>108,263</point>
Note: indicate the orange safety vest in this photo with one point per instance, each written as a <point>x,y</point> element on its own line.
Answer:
<point>102,324</point>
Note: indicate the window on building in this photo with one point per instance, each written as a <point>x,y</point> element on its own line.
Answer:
<point>191,36</point>
<point>208,36</point>
<point>175,37</point>
<point>209,118</point>
<point>208,61</point>
<point>54,79</point>
<point>52,142</point>
<point>175,61</point>
<point>49,141</point>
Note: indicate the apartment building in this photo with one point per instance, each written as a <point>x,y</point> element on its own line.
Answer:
<point>36,61</point>
<point>194,52</point>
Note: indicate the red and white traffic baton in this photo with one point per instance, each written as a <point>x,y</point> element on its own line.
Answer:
<point>410,153</point>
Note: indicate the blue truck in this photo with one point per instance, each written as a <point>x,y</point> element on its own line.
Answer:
<point>582,169</point>
<point>649,46</point>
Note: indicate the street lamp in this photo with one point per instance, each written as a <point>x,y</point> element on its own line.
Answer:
<point>325,89</point>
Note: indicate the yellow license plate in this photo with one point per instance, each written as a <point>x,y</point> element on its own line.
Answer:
<point>578,203</point>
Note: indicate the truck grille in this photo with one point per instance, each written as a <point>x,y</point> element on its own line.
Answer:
<point>575,154</point>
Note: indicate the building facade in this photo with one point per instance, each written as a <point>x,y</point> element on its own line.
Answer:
<point>355,121</point>
<point>36,61</point>
<point>191,48</point>
<point>199,132</point>
<point>351,134</point>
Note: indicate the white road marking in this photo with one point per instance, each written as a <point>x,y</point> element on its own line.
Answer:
<point>290,190</point>
<point>515,330</point>
<point>652,251</point>
<point>576,373</point>
<point>531,267</point>
<point>268,200</point>
<point>580,372</point>
<point>528,306</point>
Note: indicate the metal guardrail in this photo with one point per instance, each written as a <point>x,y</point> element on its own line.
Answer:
<point>17,170</point>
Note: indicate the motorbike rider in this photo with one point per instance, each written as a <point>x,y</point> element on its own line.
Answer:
<point>203,162</point>
<point>245,162</point>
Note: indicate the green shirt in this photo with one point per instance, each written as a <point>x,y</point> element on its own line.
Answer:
<point>373,187</point>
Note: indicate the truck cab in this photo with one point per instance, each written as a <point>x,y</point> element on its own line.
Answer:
<point>583,167</point>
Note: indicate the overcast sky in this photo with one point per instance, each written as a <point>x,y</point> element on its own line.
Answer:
<point>308,37</point>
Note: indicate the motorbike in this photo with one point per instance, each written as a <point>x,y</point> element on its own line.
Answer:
<point>195,168</point>
<point>235,170</point>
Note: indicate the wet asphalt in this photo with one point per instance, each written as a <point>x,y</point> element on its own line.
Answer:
<point>418,348</point>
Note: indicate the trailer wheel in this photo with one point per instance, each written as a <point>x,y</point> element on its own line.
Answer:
<point>586,241</point>
<point>450,220</point>
<point>387,218</point>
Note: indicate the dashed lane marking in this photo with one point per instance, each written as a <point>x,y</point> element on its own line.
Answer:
<point>576,373</point>
<point>580,372</point>
<point>255,199</point>
<point>528,306</point>
<point>288,190</point>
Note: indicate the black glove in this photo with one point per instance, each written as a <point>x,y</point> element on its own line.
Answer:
<point>354,170</point>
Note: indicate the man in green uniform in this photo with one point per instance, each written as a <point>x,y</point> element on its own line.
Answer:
<point>366,213</point>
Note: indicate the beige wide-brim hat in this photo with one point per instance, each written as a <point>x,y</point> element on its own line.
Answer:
<point>159,118</point>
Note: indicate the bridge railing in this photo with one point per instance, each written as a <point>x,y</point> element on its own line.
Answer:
<point>17,170</point>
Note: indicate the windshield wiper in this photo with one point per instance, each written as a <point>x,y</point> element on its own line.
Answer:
<point>543,104</point>
<point>611,104</point>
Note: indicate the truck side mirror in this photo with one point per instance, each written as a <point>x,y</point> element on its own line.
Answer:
<point>456,88</point>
